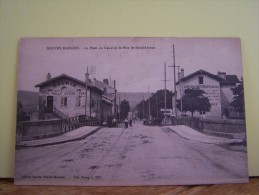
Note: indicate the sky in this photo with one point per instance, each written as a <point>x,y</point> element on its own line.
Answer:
<point>135,63</point>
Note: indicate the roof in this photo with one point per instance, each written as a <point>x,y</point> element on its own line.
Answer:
<point>230,79</point>
<point>201,72</point>
<point>64,76</point>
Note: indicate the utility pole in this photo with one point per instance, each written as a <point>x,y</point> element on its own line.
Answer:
<point>165,109</point>
<point>148,103</point>
<point>165,90</point>
<point>143,107</point>
<point>156,107</point>
<point>115,93</point>
<point>86,83</point>
<point>181,95</point>
<point>175,92</point>
<point>119,107</point>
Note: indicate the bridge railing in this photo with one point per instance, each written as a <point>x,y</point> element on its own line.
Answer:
<point>72,123</point>
<point>31,130</point>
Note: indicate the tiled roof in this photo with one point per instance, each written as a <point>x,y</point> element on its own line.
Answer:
<point>64,76</point>
<point>201,72</point>
<point>230,79</point>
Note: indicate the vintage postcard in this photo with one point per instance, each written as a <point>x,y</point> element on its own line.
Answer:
<point>130,111</point>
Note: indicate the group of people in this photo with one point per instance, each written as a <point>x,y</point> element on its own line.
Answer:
<point>113,121</point>
<point>128,122</point>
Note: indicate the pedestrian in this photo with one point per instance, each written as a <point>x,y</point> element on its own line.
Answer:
<point>114,122</point>
<point>126,123</point>
<point>130,122</point>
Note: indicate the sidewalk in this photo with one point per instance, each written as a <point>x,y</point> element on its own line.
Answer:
<point>191,134</point>
<point>73,135</point>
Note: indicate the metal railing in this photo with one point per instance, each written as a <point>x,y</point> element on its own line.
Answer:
<point>192,122</point>
<point>217,125</point>
<point>72,123</point>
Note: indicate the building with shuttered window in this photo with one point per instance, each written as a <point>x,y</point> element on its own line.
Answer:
<point>65,96</point>
<point>216,87</point>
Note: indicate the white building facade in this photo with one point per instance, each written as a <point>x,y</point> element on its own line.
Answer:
<point>216,87</point>
<point>68,97</point>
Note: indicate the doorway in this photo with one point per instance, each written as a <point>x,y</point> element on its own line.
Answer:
<point>49,103</point>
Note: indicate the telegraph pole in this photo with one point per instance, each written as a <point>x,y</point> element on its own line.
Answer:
<point>156,107</point>
<point>86,83</point>
<point>165,90</point>
<point>119,107</point>
<point>143,106</point>
<point>175,92</point>
<point>148,103</point>
<point>165,109</point>
<point>115,94</point>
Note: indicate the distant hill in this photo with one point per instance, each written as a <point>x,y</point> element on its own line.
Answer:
<point>29,100</point>
<point>132,97</point>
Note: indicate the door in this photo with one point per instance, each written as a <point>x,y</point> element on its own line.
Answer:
<point>49,103</point>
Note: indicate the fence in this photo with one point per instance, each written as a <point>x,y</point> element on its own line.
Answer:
<point>216,125</point>
<point>31,130</point>
<point>71,123</point>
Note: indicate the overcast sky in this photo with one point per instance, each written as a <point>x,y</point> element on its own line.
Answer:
<point>134,69</point>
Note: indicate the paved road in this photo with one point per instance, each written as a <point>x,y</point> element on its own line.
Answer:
<point>135,156</point>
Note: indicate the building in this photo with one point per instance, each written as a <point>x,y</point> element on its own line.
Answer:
<point>217,89</point>
<point>64,96</point>
<point>109,91</point>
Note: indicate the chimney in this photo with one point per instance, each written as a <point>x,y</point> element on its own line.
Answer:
<point>182,73</point>
<point>94,81</point>
<point>87,76</point>
<point>179,76</point>
<point>106,81</point>
<point>48,76</point>
<point>222,75</point>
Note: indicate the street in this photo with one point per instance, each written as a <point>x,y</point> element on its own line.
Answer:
<point>142,155</point>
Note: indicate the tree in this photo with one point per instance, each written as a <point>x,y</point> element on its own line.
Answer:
<point>194,100</point>
<point>157,101</point>
<point>238,99</point>
<point>124,109</point>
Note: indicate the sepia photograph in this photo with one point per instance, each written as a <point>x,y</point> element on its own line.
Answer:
<point>130,112</point>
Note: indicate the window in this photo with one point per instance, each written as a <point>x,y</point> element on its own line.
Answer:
<point>78,101</point>
<point>63,101</point>
<point>64,90</point>
<point>200,80</point>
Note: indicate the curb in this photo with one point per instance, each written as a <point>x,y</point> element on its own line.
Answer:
<point>200,141</point>
<point>63,141</point>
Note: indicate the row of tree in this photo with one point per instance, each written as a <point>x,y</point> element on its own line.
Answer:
<point>155,103</point>
<point>193,100</point>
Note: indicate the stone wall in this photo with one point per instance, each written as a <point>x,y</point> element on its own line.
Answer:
<point>224,125</point>
<point>40,129</point>
<point>216,125</point>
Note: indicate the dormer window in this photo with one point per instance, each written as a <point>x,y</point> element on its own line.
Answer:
<point>200,80</point>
